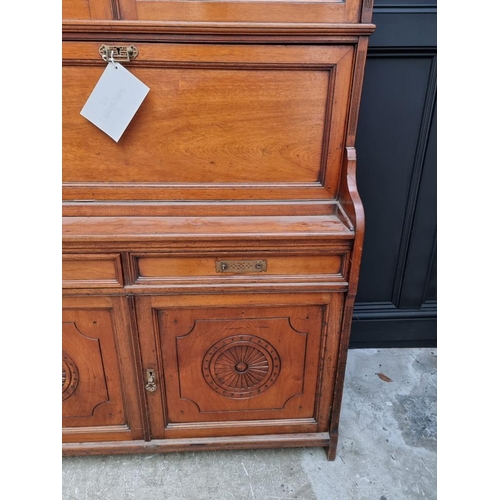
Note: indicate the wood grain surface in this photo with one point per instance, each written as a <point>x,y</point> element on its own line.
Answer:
<point>243,150</point>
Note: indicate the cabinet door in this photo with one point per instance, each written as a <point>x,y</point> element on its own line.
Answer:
<point>99,388</point>
<point>237,368</point>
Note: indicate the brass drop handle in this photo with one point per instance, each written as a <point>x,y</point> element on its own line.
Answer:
<point>150,380</point>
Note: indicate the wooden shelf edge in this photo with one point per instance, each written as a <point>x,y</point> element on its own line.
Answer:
<point>151,229</point>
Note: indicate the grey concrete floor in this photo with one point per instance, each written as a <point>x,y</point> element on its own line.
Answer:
<point>386,451</point>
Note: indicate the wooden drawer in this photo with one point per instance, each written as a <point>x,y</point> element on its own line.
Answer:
<point>95,270</point>
<point>152,268</point>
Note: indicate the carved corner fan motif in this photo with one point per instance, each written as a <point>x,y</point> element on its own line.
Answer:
<point>241,366</point>
<point>69,376</point>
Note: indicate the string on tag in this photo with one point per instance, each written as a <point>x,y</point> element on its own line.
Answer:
<point>112,60</point>
<point>109,59</point>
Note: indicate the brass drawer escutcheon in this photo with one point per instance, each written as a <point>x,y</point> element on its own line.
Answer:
<point>119,53</point>
<point>241,266</point>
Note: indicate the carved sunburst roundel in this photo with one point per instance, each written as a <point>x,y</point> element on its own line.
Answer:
<point>69,376</point>
<point>241,366</point>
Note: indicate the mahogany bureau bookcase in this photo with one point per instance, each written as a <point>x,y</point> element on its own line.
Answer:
<point>211,255</point>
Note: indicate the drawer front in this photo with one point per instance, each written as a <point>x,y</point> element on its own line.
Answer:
<point>154,268</point>
<point>97,270</point>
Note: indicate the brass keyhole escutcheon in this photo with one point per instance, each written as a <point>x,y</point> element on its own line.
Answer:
<point>150,380</point>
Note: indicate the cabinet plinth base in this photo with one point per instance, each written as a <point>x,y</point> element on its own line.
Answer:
<point>317,439</point>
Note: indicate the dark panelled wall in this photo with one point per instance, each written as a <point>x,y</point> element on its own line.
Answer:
<point>396,304</point>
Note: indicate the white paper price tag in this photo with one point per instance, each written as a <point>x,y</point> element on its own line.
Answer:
<point>114,100</point>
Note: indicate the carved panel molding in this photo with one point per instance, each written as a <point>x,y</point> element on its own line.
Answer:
<point>70,377</point>
<point>241,366</point>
